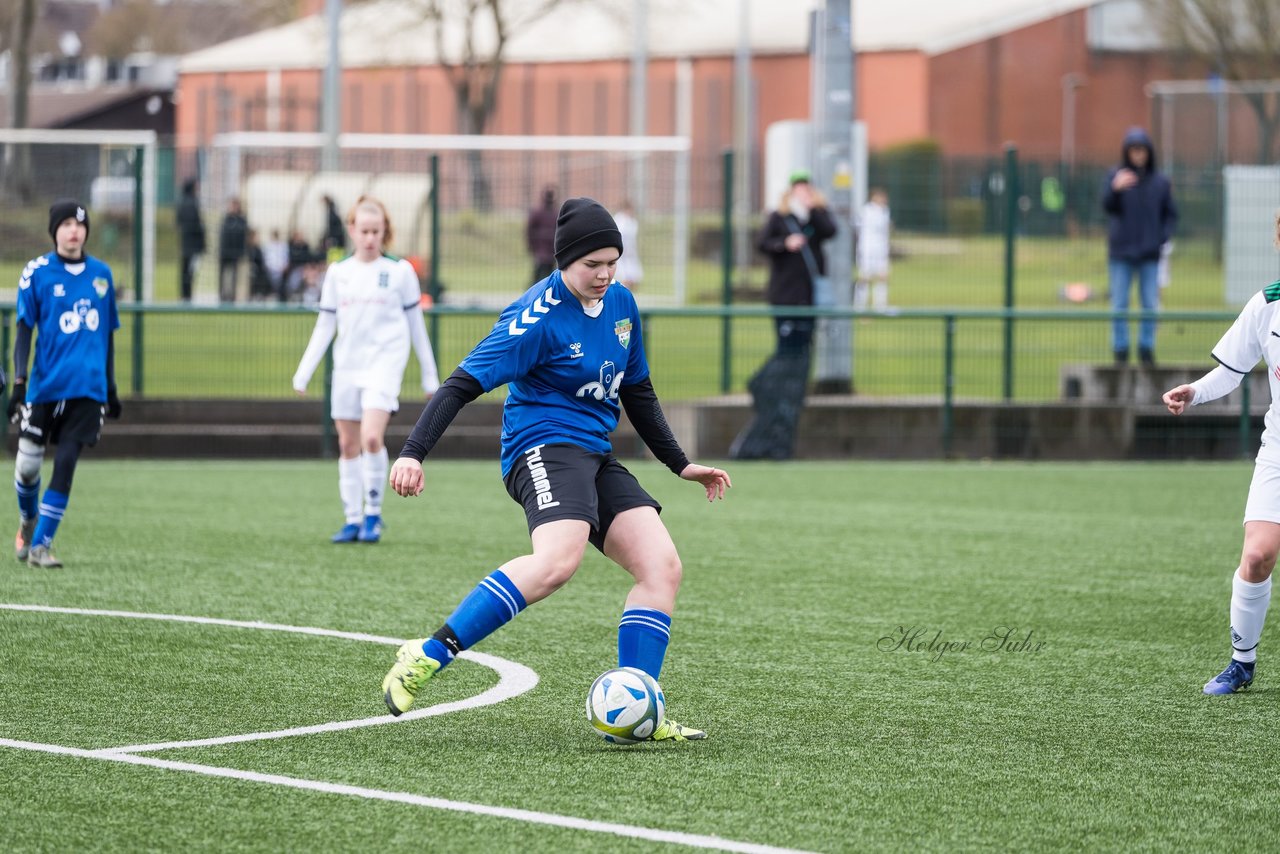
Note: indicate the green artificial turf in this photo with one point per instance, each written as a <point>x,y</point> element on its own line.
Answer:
<point>826,733</point>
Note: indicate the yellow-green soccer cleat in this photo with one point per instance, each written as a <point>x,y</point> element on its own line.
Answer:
<point>405,679</point>
<point>669,730</point>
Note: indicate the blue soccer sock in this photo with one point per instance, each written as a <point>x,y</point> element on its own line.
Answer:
<point>28,498</point>
<point>52,507</point>
<point>493,604</point>
<point>643,635</point>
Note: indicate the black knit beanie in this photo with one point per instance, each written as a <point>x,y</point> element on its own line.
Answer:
<point>583,227</point>
<point>67,209</point>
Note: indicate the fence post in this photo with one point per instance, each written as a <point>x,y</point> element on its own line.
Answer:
<point>4,359</point>
<point>326,423</point>
<point>726,274</point>
<point>135,382</point>
<point>948,382</point>
<point>1010,236</point>
<point>433,283</point>
<point>1245,429</point>
<point>139,155</point>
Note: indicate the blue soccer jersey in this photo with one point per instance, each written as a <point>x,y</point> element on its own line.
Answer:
<point>565,365</point>
<point>72,308</point>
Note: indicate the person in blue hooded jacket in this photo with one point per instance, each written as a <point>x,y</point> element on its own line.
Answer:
<point>1139,202</point>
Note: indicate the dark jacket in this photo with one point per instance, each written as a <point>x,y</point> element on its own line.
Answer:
<point>233,238</point>
<point>790,282</point>
<point>190,225</point>
<point>1144,216</point>
<point>540,235</point>
<point>335,233</point>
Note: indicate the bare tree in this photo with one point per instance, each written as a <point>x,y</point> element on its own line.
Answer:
<point>1240,39</point>
<point>460,27</point>
<point>181,26</point>
<point>20,28</point>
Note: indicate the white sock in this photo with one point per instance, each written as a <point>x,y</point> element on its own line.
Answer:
<point>860,295</point>
<point>374,467</point>
<point>1248,612</point>
<point>880,295</point>
<point>350,488</point>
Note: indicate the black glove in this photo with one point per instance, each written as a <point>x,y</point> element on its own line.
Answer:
<point>17,397</point>
<point>113,403</point>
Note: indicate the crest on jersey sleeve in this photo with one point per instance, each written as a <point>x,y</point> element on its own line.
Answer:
<point>100,285</point>
<point>623,330</point>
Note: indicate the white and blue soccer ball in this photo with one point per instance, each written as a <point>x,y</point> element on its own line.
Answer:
<point>625,705</point>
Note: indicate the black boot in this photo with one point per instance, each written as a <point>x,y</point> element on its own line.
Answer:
<point>1122,358</point>
<point>1146,357</point>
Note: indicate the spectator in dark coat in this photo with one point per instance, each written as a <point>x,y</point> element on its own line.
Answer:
<point>1139,201</point>
<point>335,232</point>
<point>792,239</point>
<point>232,245</point>
<point>260,283</point>
<point>191,236</point>
<point>540,235</point>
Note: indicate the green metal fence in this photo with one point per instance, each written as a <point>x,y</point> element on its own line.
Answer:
<point>168,351</point>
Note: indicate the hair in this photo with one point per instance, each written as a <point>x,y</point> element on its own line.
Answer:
<point>372,205</point>
<point>1278,229</point>
<point>784,204</point>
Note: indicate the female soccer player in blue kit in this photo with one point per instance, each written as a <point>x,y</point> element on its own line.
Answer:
<point>571,349</point>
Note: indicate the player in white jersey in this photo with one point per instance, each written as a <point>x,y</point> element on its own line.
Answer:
<point>873,252</point>
<point>1254,336</point>
<point>371,302</point>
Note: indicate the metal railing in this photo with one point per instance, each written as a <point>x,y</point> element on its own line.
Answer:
<point>944,357</point>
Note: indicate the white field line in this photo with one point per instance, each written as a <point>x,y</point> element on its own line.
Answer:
<point>692,840</point>
<point>515,677</point>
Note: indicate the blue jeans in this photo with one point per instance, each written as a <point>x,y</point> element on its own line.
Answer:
<point>1120,276</point>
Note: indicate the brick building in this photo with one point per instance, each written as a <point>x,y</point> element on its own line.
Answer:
<point>1061,78</point>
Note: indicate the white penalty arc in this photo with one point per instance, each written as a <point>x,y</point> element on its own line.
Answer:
<point>513,679</point>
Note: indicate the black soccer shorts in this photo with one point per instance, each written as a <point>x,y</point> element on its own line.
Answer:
<point>553,482</point>
<point>76,420</point>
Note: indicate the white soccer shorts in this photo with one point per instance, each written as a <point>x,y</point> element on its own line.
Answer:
<point>350,401</point>
<point>875,264</point>
<point>1264,494</point>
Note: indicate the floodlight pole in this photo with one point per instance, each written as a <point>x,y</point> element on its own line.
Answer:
<point>831,61</point>
<point>331,103</point>
<point>639,98</point>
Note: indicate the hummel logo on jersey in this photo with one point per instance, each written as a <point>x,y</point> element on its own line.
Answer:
<point>384,279</point>
<point>59,290</point>
<point>520,325</point>
<point>576,347</point>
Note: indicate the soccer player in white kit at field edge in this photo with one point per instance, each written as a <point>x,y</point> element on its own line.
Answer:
<point>1254,336</point>
<point>371,301</point>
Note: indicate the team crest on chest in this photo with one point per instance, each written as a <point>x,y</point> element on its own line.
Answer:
<point>623,330</point>
<point>100,285</point>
